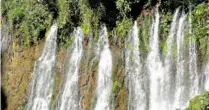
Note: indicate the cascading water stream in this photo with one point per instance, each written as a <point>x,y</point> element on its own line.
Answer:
<point>194,78</point>
<point>207,77</point>
<point>137,96</point>
<point>104,80</point>
<point>169,58</point>
<point>178,101</point>
<point>155,68</point>
<point>69,99</point>
<point>171,85</point>
<point>43,75</point>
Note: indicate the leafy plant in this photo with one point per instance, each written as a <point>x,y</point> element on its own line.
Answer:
<point>27,21</point>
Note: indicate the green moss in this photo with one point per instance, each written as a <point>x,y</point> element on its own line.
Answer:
<point>116,85</point>
<point>23,107</point>
<point>200,102</point>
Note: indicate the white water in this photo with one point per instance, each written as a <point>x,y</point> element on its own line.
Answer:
<point>178,102</point>
<point>69,95</point>
<point>43,75</point>
<point>169,58</point>
<point>104,79</point>
<point>207,76</point>
<point>168,87</point>
<point>155,68</point>
<point>137,96</point>
<point>194,78</point>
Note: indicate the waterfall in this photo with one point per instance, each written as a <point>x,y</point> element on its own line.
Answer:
<point>158,82</point>
<point>104,79</point>
<point>69,99</point>
<point>155,67</point>
<point>207,77</point>
<point>194,78</point>
<point>43,75</point>
<point>137,96</point>
<point>178,102</point>
<point>169,58</point>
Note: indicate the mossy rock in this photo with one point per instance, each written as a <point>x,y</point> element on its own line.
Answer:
<point>200,102</point>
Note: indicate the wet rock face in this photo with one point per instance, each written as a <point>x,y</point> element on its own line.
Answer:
<point>88,77</point>
<point>4,40</point>
<point>17,68</point>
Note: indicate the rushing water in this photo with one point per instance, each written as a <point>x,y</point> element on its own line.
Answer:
<point>43,75</point>
<point>70,94</point>
<point>180,63</point>
<point>166,80</point>
<point>207,76</point>
<point>133,66</point>
<point>155,67</point>
<point>169,58</point>
<point>104,80</point>
<point>194,77</point>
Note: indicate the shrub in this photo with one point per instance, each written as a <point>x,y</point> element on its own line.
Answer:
<point>27,21</point>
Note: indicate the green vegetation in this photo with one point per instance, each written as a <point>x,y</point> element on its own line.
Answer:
<point>200,15</point>
<point>23,107</point>
<point>116,85</point>
<point>90,18</point>
<point>28,21</point>
<point>17,70</point>
<point>200,102</point>
<point>68,18</point>
<point>123,6</point>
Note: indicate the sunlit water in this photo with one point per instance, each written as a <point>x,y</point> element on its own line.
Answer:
<point>167,79</point>
<point>43,75</point>
<point>193,73</point>
<point>133,68</point>
<point>169,86</point>
<point>69,99</point>
<point>207,76</point>
<point>178,101</point>
<point>155,68</point>
<point>104,80</point>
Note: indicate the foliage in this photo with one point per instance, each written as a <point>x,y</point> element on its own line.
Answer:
<point>200,102</point>
<point>171,5</point>
<point>199,16</point>
<point>121,30</point>
<point>123,6</point>
<point>123,26</point>
<point>68,18</point>
<point>68,10</point>
<point>28,20</point>
<point>90,18</point>
<point>37,19</point>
